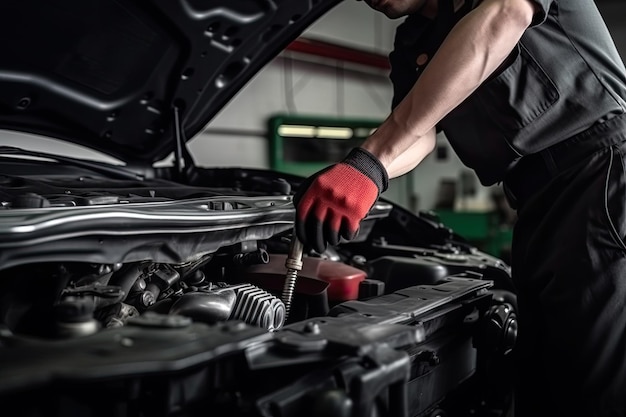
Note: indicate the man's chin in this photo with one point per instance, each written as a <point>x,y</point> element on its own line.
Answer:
<point>387,8</point>
<point>393,14</point>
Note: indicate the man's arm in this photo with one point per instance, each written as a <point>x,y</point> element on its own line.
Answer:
<point>411,157</point>
<point>331,203</point>
<point>473,50</point>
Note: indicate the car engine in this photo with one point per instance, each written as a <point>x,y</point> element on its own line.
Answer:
<point>87,262</point>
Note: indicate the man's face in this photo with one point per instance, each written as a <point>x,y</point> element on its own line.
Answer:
<point>394,9</point>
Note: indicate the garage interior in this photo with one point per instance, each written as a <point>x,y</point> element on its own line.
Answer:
<point>321,96</point>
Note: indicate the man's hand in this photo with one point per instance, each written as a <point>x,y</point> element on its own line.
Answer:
<point>331,203</point>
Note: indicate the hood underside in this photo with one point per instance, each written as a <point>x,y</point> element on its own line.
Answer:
<point>129,78</point>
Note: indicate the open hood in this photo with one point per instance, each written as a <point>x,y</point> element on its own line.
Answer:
<point>131,78</point>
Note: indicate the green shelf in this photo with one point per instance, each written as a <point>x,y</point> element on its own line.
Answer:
<point>479,228</point>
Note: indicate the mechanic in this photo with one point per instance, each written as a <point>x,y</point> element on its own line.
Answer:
<point>530,93</point>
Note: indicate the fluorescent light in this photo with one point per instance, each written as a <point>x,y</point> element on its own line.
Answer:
<point>363,132</point>
<point>324,132</point>
<point>296,130</point>
<point>334,132</point>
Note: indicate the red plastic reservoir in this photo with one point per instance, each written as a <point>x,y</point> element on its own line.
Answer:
<point>343,280</point>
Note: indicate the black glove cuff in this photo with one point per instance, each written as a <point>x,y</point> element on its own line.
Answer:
<point>368,165</point>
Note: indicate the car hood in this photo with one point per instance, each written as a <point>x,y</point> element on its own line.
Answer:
<point>132,79</point>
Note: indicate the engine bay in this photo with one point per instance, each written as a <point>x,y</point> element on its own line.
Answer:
<point>138,281</point>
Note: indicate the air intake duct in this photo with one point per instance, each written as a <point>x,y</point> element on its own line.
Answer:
<point>244,302</point>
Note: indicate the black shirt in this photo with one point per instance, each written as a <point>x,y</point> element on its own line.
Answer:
<point>564,76</point>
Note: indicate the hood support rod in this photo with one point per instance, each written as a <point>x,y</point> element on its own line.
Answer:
<point>182,157</point>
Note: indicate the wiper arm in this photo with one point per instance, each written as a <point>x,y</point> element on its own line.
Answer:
<point>102,168</point>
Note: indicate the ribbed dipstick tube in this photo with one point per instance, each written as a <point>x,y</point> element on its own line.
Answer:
<point>293,263</point>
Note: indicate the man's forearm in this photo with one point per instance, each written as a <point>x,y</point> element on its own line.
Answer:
<point>411,157</point>
<point>473,50</point>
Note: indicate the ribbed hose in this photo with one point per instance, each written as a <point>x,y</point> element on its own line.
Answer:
<point>256,306</point>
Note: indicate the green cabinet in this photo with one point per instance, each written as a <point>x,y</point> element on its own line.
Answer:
<point>480,228</point>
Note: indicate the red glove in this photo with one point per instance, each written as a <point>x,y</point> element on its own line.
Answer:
<point>331,203</point>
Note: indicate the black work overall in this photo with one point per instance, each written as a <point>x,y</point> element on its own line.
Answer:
<point>550,125</point>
